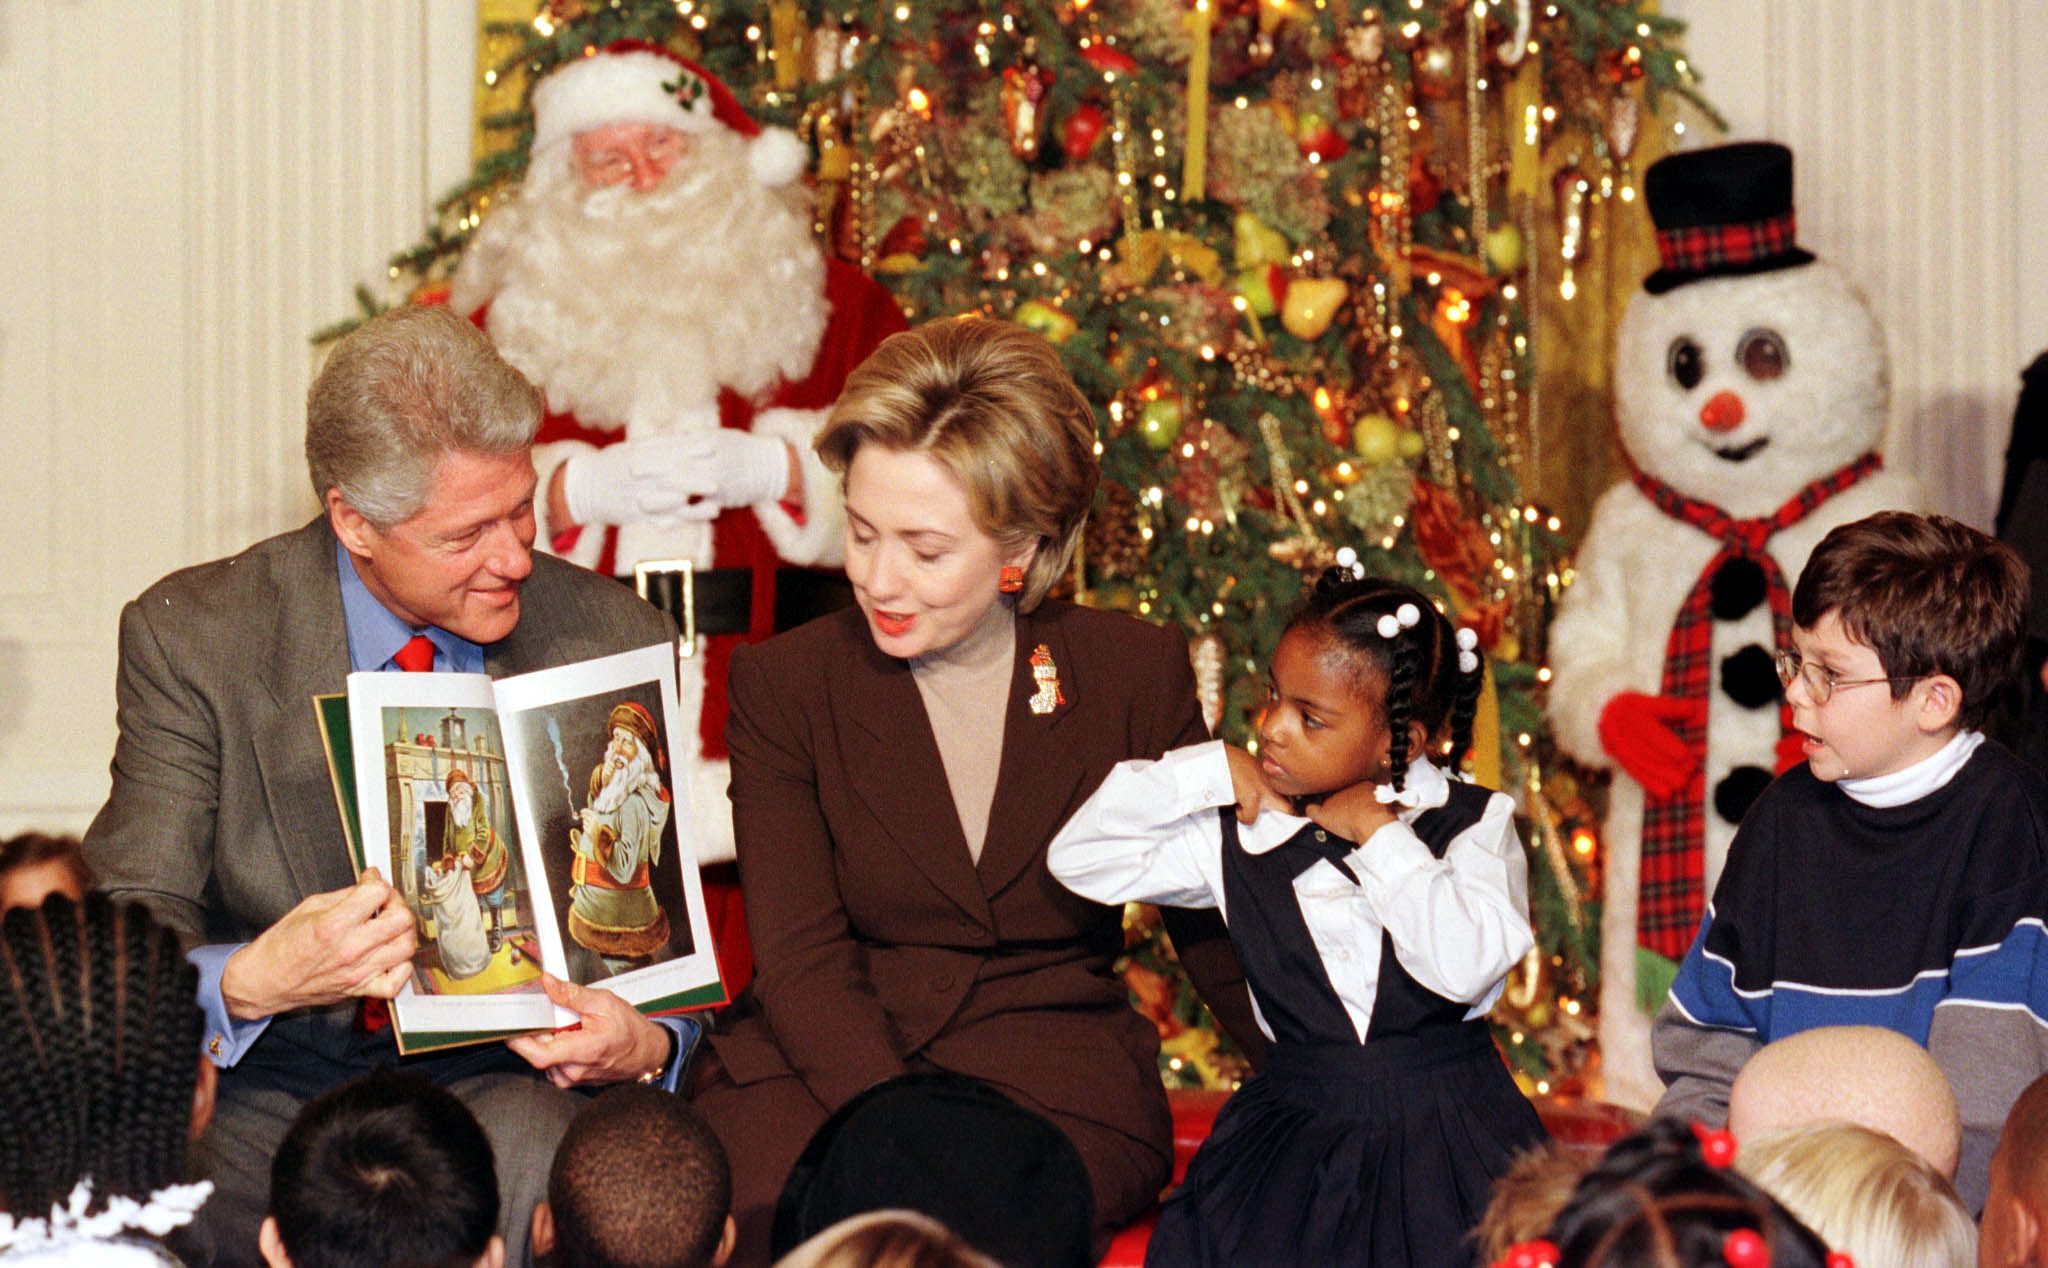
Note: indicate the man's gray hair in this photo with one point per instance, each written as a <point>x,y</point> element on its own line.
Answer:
<point>399,392</point>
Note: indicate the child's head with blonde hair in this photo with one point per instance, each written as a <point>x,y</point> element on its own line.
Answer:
<point>1864,1193</point>
<point>886,1239</point>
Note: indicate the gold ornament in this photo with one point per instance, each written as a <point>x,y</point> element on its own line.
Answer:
<point>1114,542</point>
<point>1311,306</point>
<point>1024,108</point>
<point>1624,122</point>
<point>1569,188</point>
<point>1367,41</point>
<point>1207,654</point>
<point>832,49</point>
<point>1310,554</point>
<point>1306,549</point>
<point>1436,70</point>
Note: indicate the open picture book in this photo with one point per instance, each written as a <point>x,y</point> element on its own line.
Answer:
<point>530,823</point>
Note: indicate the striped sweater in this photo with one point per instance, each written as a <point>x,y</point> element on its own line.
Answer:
<point>1926,918</point>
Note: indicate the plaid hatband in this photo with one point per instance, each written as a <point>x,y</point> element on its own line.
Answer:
<point>1696,248</point>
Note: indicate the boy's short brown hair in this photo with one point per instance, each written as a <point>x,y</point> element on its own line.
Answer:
<point>30,849</point>
<point>1929,595</point>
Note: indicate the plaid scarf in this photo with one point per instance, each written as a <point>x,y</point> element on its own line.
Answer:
<point>1671,890</point>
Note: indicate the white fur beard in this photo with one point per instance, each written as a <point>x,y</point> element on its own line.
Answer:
<point>633,308</point>
<point>619,782</point>
<point>461,809</point>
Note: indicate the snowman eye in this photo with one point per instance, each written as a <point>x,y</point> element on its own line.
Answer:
<point>1686,364</point>
<point>1761,353</point>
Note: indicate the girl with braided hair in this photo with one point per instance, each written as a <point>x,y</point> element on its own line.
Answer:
<point>1376,903</point>
<point>1669,1197</point>
<point>104,1091</point>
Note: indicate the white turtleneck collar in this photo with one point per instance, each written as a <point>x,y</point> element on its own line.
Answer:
<point>1916,781</point>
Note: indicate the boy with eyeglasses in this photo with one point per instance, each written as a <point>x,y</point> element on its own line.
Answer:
<point>1899,876</point>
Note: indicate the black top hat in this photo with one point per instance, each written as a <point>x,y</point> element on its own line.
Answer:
<point>1005,1179</point>
<point>1722,212</point>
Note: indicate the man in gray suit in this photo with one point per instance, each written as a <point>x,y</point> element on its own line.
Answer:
<point>222,818</point>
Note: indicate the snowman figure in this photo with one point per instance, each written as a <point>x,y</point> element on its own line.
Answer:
<point>1751,390</point>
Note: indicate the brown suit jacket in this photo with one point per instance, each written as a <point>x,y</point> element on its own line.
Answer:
<point>878,940</point>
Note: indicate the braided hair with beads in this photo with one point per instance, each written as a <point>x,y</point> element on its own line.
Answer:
<point>1431,670</point>
<point>101,1030</point>
<point>1658,1199</point>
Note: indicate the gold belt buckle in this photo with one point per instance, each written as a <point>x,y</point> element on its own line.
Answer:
<point>687,570</point>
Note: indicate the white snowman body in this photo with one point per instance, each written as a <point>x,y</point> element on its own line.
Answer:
<point>1738,392</point>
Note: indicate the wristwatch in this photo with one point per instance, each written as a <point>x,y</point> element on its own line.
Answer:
<point>674,1042</point>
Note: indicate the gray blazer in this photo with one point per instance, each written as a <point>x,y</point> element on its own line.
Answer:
<point>222,817</point>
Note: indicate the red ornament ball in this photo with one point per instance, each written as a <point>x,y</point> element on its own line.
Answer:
<point>1083,128</point>
<point>1717,1145</point>
<point>1108,58</point>
<point>1746,1248</point>
<point>1533,1254</point>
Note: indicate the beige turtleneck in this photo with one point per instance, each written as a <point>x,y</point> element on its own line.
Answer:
<point>966,690</point>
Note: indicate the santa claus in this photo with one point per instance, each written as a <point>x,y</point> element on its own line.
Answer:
<point>656,275</point>
<point>612,908</point>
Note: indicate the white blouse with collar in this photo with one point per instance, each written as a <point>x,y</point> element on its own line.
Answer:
<point>1458,924</point>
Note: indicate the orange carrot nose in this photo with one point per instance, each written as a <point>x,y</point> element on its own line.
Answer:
<point>1722,413</point>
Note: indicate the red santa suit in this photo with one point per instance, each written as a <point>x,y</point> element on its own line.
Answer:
<point>654,313</point>
<point>764,538</point>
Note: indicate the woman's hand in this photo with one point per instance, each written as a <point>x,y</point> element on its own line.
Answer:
<point>1248,785</point>
<point>1353,813</point>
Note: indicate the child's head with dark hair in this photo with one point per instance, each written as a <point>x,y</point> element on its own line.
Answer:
<point>101,1032</point>
<point>1929,595</point>
<point>639,1181</point>
<point>1368,675</point>
<point>35,865</point>
<point>1654,1201</point>
<point>382,1171</point>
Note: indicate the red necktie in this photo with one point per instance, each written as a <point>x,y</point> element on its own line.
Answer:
<point>416,657</point>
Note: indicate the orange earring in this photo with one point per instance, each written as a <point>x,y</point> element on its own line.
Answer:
<point>1012,579</point>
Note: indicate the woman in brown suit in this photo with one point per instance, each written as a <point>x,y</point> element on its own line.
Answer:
<point>899,768</point>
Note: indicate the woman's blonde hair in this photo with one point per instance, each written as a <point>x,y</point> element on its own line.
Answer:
<point>992,404</point>
<point>886,1239</point>
<point>1866,1194</point>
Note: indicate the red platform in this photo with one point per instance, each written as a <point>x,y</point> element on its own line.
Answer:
<point>1589,1125</point>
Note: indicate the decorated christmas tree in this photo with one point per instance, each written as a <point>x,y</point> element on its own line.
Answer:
<point>1290,248</point>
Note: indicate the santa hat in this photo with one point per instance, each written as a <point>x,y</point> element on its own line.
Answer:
<point>457,775</point>
<point>631,81</point>
<point>631,716</point>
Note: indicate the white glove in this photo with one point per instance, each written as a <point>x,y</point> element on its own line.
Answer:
<point>749,469</point>
<point>687,476</point>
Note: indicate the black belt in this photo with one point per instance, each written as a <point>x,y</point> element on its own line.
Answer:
<point>721,600</point>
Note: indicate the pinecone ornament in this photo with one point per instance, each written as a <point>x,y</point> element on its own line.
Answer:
<point>1113,544</point>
